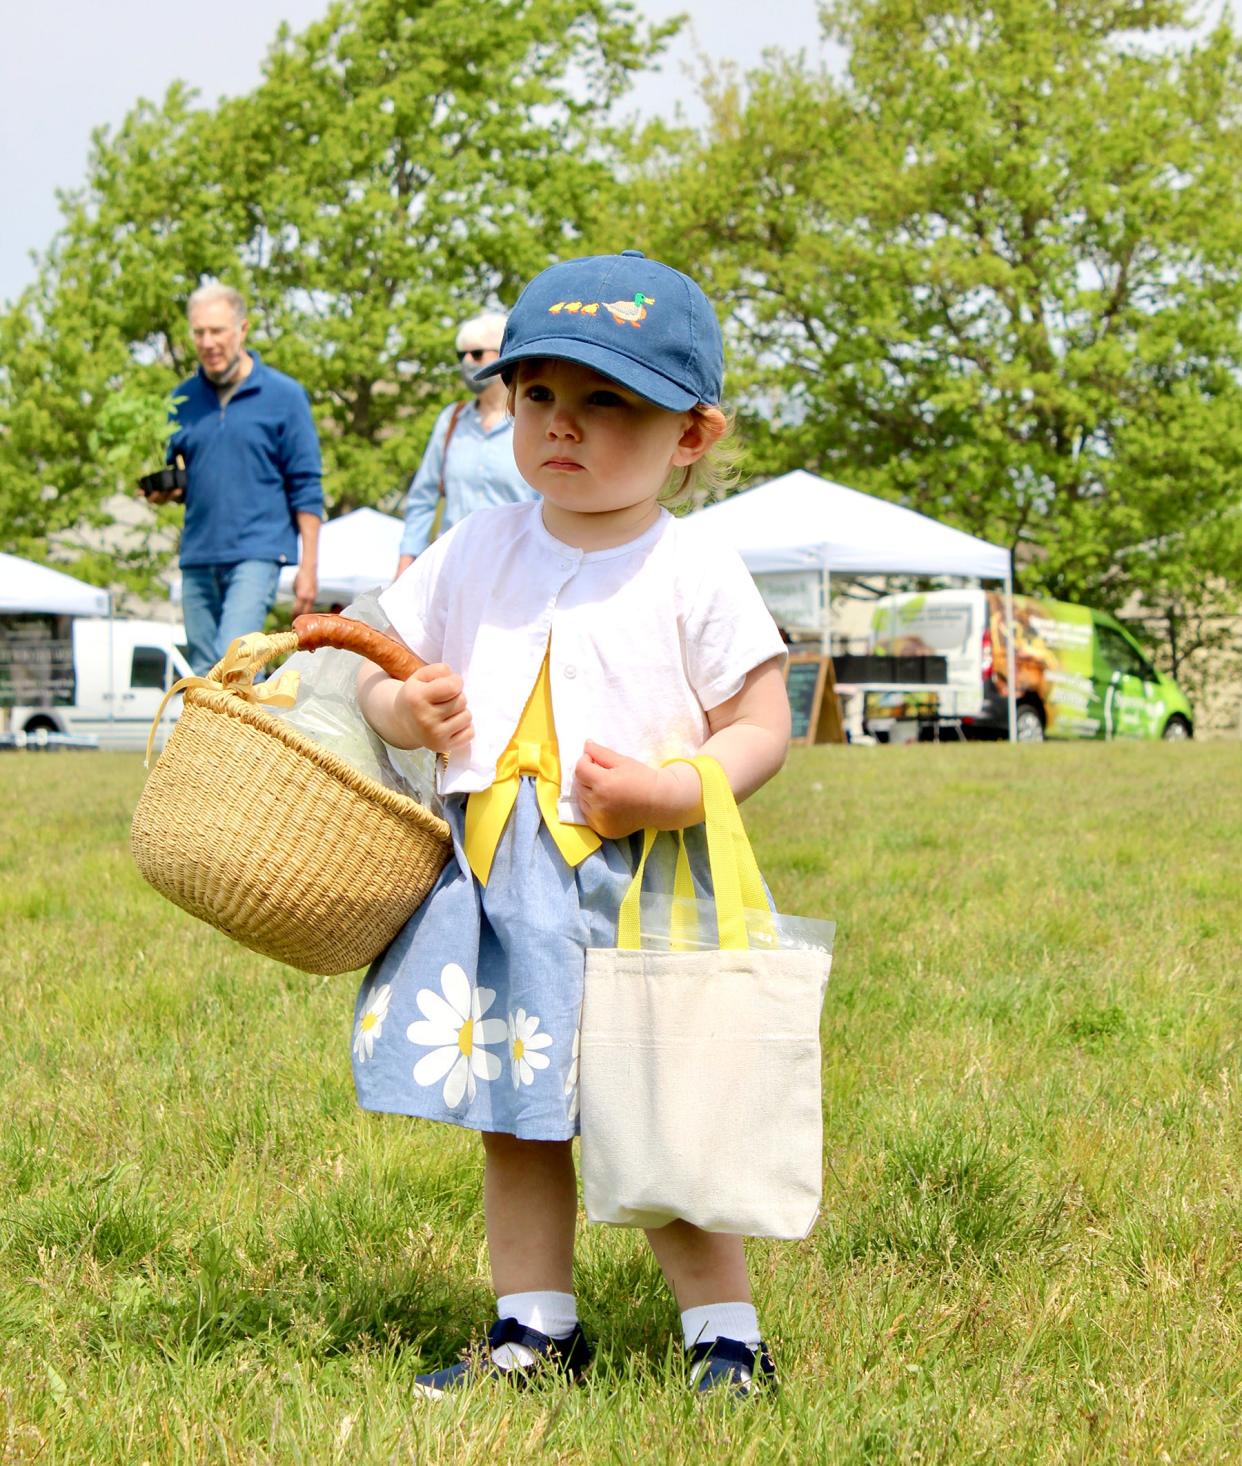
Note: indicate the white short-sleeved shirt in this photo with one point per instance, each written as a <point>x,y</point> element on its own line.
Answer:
<point>643,638</point>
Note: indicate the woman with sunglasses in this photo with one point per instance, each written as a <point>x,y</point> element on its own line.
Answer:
<point>469,458</point>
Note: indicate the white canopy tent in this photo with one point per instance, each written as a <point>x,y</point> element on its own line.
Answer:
<point>357,552</point>
<point>27,588</point>
<point>800,522</point>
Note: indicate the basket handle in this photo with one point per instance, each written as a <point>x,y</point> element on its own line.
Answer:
<point>315,630</point>
<point>235,671</point>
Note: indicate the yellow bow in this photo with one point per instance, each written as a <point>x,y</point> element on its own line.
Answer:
<point>488,810</point>
<point>235,674</point>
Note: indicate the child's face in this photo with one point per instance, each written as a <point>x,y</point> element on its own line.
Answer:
<point>592,447</point>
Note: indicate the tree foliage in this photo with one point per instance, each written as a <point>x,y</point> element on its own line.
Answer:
<point>992,271</point>
<point>402,164</point>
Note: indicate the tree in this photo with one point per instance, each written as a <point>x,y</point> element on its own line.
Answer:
<point>105,315</point>
<point>992,271</point>
<point>402,164</point>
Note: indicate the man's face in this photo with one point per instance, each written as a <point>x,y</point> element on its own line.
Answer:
<point>473,354</point>
<point>218,337</point>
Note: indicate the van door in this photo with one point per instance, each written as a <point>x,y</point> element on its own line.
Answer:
<point>143,681</point>
<point>1131,703</point>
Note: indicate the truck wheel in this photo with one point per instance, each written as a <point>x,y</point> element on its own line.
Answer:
<point>1029,724</point>
<point>1176,729</point>
<point>39,725</point>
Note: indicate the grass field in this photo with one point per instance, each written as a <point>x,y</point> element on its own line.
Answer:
<point>1031,1246</point>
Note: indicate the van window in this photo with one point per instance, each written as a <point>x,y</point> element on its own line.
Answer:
<point>149,667</point>
<point>1121,656</point>
<point>935,627</point>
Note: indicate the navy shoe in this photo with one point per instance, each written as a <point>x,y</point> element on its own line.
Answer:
<point>569,1357</point>
<point>727,1364</point>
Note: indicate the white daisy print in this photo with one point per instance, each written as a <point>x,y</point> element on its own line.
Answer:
<point>454,1028</point>
<point>571,1079</point>
<point>371,1024</point>
<point>525,1041</point>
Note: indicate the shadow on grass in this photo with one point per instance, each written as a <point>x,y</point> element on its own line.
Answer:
<point>320,1316</point>
<point>340,1273</point>
<point>219,1305</point>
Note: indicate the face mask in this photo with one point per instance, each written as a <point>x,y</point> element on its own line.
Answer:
<point>224,378</point>
<point>469,371</point>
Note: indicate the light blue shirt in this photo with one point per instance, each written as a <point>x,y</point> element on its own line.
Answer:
<point>480,471</point>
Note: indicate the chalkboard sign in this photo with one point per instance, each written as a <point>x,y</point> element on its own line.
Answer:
<point>816,718</point>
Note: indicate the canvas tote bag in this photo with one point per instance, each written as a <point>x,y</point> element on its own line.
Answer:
<point>699,1071</point>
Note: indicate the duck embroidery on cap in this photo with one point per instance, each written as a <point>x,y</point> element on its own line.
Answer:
<point>624,312</point>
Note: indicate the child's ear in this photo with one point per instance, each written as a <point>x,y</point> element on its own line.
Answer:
<point>703,428</point>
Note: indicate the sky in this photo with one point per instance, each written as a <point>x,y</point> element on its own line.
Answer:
<point>69,66</point>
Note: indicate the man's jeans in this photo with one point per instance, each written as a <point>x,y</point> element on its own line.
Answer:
<point>221,602</point>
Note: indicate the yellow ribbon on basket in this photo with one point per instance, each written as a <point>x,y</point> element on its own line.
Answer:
<point>532,750</point>
<point>234,674</point>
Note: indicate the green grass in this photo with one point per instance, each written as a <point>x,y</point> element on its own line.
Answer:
<point>1031,1247</point>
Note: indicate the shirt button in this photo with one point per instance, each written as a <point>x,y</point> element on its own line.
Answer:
<point>571,671</point>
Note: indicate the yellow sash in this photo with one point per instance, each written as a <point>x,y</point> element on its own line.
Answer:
<point>531,750</point>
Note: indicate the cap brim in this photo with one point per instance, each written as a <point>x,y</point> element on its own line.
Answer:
<point>606,360</point>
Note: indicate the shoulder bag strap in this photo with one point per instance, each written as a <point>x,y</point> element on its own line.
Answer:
<point>458,409</point>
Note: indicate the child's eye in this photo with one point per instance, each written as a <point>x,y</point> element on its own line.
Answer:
<point>606,398</point>
<point>536,392</point>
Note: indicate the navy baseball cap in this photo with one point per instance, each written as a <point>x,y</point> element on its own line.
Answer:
<point>634,320</point>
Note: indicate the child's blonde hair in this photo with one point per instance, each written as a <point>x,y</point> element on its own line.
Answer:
<point>717,468</point>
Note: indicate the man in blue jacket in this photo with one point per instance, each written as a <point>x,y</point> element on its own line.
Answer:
<point>253,479</point>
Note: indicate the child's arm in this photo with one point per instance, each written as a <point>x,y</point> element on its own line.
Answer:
<point>427,710</point>
<point>749,739</point>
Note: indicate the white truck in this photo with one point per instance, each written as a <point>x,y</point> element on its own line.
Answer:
<point>120,672</point>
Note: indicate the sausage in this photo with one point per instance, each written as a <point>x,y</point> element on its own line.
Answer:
<point>315,630</point>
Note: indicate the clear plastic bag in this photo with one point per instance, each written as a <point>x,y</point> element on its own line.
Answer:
<point>327,711</point>
<point>676,924</point>
<point>670,922</point>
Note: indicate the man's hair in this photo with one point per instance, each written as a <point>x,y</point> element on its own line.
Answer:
<point>483,332</point>
<point>213,290</point>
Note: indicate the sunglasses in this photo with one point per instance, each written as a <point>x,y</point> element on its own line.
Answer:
<point>476,353</point>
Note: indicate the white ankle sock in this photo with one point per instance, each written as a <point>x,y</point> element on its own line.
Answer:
<point>554,1314</point>
<point>721,1321</point>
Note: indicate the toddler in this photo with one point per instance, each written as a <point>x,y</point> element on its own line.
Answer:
<point>569,646</point>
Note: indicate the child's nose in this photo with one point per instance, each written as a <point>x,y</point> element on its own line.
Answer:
<point>563,423</point>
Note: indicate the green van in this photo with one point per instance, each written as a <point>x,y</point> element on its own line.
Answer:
<point>1079,672</point>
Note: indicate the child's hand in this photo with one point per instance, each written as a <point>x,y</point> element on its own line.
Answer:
<point>619,795</point>
<point>433,701</point>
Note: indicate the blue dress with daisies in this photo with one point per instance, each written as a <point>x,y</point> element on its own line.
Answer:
<point>471,1015</point>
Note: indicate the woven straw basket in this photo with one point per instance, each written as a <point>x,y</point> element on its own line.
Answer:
<point>283,846</point>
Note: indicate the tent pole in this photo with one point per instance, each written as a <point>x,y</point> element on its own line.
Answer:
<point>825,638</point>
<point>111,667</point>
<point>1010,659</point>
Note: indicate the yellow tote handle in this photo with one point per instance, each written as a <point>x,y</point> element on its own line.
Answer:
<point>736,881</point>
<point>681,916</point>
